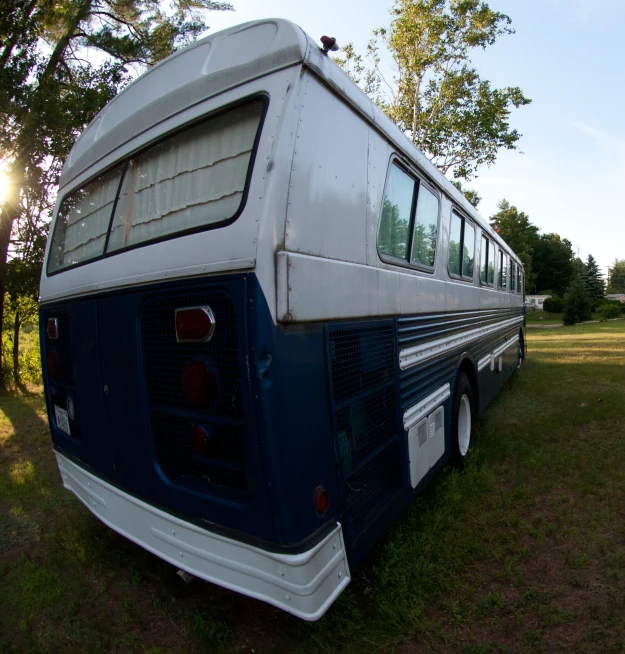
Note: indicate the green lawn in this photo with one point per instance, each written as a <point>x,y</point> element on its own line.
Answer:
<point>543,318</point>
<point>522,551</point>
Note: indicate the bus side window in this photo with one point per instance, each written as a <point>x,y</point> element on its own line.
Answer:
<point>461,253</point>
<point>512,276</point>
<point>487,262</point>
<point>425,226</point>
<point>396,214</point>
<point>503,270</point>
<point>484,260</point>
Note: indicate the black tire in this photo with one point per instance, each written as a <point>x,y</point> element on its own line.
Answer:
<point>521,351</point>
<point>461,442</point>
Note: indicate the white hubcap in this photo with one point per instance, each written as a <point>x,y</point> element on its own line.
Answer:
<point>464,425</point>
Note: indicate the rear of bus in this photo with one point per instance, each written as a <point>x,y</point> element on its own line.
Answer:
<point>173,398</point>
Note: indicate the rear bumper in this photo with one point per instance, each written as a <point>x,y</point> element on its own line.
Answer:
<point>304,584</point>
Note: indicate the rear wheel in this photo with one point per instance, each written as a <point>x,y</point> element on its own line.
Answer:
<point>462,419</point>
<point>521,351</point>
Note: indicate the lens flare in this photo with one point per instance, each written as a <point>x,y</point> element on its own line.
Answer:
<point>4,186</point>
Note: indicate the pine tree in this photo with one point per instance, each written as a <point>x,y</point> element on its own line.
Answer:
<point>576,303</point>
<point>593,279</point>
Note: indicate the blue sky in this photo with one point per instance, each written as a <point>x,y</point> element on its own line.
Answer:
<point>568,56</point>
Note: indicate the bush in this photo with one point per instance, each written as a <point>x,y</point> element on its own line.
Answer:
<point>608,309</point>
<point>576,304</point>
<point>553,304</point>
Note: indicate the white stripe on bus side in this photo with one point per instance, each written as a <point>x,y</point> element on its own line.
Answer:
<point>418,354</point>
<point>484,361</point>
<point>425,406</point>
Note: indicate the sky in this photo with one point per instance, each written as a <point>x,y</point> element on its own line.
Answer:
<point>568,56</point>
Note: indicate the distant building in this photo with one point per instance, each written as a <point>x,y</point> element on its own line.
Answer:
<point>616,296</point>
<point>536,300</point>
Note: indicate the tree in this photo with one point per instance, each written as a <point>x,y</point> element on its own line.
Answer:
<point>470,194</point>
<point>593,279</point>
<point>437,97</point>
<point>519,233</point>
<point>576,303</point>
<point>552,264</point>
<point>617,277</point>
<point>51,89</point>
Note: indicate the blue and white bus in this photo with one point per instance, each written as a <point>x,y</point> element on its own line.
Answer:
<point>266,319</point>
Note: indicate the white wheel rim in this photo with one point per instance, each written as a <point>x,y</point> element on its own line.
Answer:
<point>464,425</point>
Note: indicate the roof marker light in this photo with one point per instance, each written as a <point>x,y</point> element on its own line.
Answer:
<point>329,44</point>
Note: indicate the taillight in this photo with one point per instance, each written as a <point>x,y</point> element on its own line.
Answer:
<point>200,385</point>
<point>52,329</point>
<point>199,439</point>
<point>194,324</point>
<point>53,364</point>
<point>321,500</point>
<point>203,441</point>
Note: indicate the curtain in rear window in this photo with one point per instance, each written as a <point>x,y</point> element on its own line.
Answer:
<point>192,180</point>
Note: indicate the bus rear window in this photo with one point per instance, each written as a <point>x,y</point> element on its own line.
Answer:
<point>191,181</point>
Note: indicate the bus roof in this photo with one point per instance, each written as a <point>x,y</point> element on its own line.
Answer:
<point>223,61</point>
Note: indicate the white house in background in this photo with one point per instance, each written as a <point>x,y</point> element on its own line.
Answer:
<point>536,300</point>
<point>616,296</point>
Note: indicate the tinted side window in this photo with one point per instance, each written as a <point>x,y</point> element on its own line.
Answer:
<point>468,251</point>
<point>425,226</point>
<point>491,264</point>
<point>396,214</point>
<point>487,262</point>
<point>484,261</point>
<point>455,237</point>
<point>512,276</point>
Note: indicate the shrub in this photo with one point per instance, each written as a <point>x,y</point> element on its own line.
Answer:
<point>576,303</point>
<point>609,309</point>
<point>553,304</point>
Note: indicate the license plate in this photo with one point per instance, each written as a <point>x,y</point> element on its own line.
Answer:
<point>62,419</point>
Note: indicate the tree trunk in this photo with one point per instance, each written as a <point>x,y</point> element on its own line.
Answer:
<point>11,209</point>
<point>16,349</point>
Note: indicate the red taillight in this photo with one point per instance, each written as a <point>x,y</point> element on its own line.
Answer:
<point>53,365</point>
<point>194,325</point>
<point>200,385</point>
<point>199,439</point>
<point>52,329</point>
<point>321,500</point>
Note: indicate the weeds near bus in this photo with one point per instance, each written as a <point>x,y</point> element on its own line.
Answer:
<point>522,550</point>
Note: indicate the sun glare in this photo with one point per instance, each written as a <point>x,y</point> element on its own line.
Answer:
<point>4,183</point>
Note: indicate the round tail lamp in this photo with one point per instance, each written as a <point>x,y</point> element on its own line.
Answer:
<point>200,385</point>
<point>321,500</point>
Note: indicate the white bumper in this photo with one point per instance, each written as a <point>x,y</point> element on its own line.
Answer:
<point>303,584</point>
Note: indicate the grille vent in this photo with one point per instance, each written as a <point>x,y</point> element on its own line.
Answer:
<point>362,368</point>
<point>171,417</point>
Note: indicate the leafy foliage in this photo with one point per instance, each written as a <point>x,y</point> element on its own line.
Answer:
<point>553,304</point>
<point>617,277</point>
<point>609,309</point>
<point>470,194</point>
<point>437,97</point>
<point>552,264</point>
<point>576,303</point>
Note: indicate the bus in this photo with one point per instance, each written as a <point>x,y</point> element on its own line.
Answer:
<point>267,320</point>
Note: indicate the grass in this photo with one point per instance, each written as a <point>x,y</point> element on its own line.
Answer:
<point>543,318</point>
<point>524,550</point>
